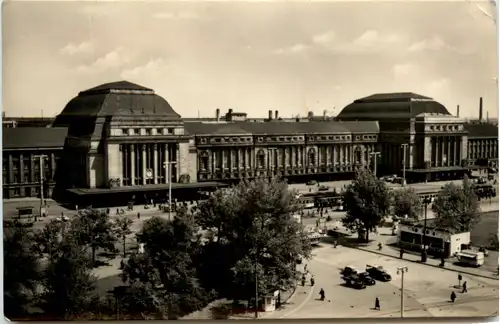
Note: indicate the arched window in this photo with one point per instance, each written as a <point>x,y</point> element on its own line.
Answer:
<point>204,161</point>
<point>261,158</point>
<point>311,157</point>
<point>358,155</point>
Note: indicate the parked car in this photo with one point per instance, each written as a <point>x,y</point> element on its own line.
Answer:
<point>323,188</point>
<point>354,281</point>
<point>312,182</point>
<point>378,272</point>
<point>367,280</point>
<point>349,270</point>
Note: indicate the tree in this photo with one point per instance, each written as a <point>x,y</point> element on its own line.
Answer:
<point>122,230</point>
<point>49,238</point>
<point>493,243</point>
<point>367,202</point>
<point>456,208</point>
<point>21,271</point>
<point>257,238</point>
<point>165,275</point>
<point>94,229</point>
<point>407,203</point>
<point>68,281</point>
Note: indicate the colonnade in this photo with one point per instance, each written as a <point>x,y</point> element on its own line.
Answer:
<point>483,149</point>
<point>446,151</point>
<point>145,163</point>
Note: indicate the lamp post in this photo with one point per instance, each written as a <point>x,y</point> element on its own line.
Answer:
<point>402,270</point>
<point>404,146</point>
<point>375,156</point>
<point>42,158</point>
<point>168,167</point>
<point>426,201</point>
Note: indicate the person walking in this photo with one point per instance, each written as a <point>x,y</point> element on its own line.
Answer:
<point>138,215</point>
<point>303,280</point>
<point>322,294</point>
<point>464,287</point>
<point>401,253</point>
<point>453,296</point>
<point>312,281</point>
<point>377,303</point>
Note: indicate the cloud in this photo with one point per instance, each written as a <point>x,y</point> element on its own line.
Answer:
<point>324,38</point>
<point>294,49</point>
<point>404,70</point>
<point>182,15</point>
<point>73,48</point>
<point>114,59</point>
<point>433,44</point>
<point>373,40</point>
<point>153,66</point>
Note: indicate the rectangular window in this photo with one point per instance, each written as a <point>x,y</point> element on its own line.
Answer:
<point>149,131</point>
<point>137,131</point>
<point>171,130</point>
<point>125,131</point>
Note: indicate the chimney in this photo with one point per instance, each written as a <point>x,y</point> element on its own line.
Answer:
<point>217,114</point>
<point>270,115</point>
<point>230,111</point>
<point>458,110</point>
<point>481,109</point>
<point>276,114</point>
<point>487,116</point>
<point>324,114</point>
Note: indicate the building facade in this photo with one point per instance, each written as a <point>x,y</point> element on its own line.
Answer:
<point>21,168</point>
<point>122,138</point>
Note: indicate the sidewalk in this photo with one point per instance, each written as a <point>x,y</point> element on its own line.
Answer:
<point>384,236</point>
<point>300,296</point>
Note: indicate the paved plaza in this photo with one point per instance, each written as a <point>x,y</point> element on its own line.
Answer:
<point>426,290</point>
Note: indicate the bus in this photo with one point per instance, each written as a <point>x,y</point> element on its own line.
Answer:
<point>470,258</point>
<point>315,238</point>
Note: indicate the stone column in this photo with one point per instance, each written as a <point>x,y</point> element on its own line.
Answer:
<point>120,158</point>
<point>32,168</point>
<point>144,162</point>
<point>21,168</point>
<point>450,158</point>
<point>155,163</point>
<point>53,165</point>
<point>458,144</point>
<point>132,164</point>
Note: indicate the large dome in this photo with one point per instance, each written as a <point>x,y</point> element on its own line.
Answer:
<point>391,106</point>
<point>113,102</point>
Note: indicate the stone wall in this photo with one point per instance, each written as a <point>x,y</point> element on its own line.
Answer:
<point>114,163</point>
<point>187,162</point>
<point>96,176</point>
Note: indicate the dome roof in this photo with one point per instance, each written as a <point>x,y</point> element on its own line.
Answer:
<point>110,102</point>
<point>403,105</point>
<point>117,99</point>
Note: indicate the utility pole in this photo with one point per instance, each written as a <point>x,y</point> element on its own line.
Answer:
<point>402,270</point>
<point>42,158</point>
<point>168,167</point>
<point>375,159</point>
<point>256,288</point>
<point>426,201</point>
<point>404,146</point>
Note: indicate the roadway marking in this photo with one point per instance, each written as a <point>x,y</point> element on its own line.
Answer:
<point>301,305</point>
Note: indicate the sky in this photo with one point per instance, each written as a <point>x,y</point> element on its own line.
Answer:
<point>251,57</point>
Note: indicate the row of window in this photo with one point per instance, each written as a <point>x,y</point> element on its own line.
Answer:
<point>444,128</point>
<point>285,138</point>
<point>148,131</point>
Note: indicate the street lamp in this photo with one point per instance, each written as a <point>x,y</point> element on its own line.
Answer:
<point>401,271</point>
<point>426,201</point>
<point>168,167</point>
<point>375,159</point>
<point>404,146</point>
<point>41,158</point>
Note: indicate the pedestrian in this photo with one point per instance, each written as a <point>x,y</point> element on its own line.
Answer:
<point>464,287</point>
<point>117,211</point>
<point>312,281</point>
<point>453,296</point>
<point>303,280</point>
<point>122,265</point>
<point>138,215</point>
<point>401,252</point>
<point>377,304</point>
<point>322,294</point>
<point>305,267</point>
<point>459,280</point>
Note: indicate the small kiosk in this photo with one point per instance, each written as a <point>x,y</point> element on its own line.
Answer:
<point>270,301</point>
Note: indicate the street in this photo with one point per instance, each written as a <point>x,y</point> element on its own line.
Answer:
<point>426,290</point>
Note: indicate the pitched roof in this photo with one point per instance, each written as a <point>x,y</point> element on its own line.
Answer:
<point>277,127</point>
<point>33,137</point>
<point>118,85</point>
<point>481,130</point>
<point>393,96</point>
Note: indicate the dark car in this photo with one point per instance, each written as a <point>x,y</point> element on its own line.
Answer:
<point>367,280</point>
<point>354,281</point>
<point>312,182</point>
<point>323,188</point>
<point>378,273</point>
<point>349,270</point>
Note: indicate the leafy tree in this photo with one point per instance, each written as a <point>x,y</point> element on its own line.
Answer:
<point>49,238</point>
<point>94,229</point>
<point>493,244</point>
<point>68,281</point>
<point>122,230</point>
<point>456,208</point>
<point>407,203</point>
<point>367,201</point>
<point>165,275</point>
<point>21,271</point>
<point>255,229</point>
